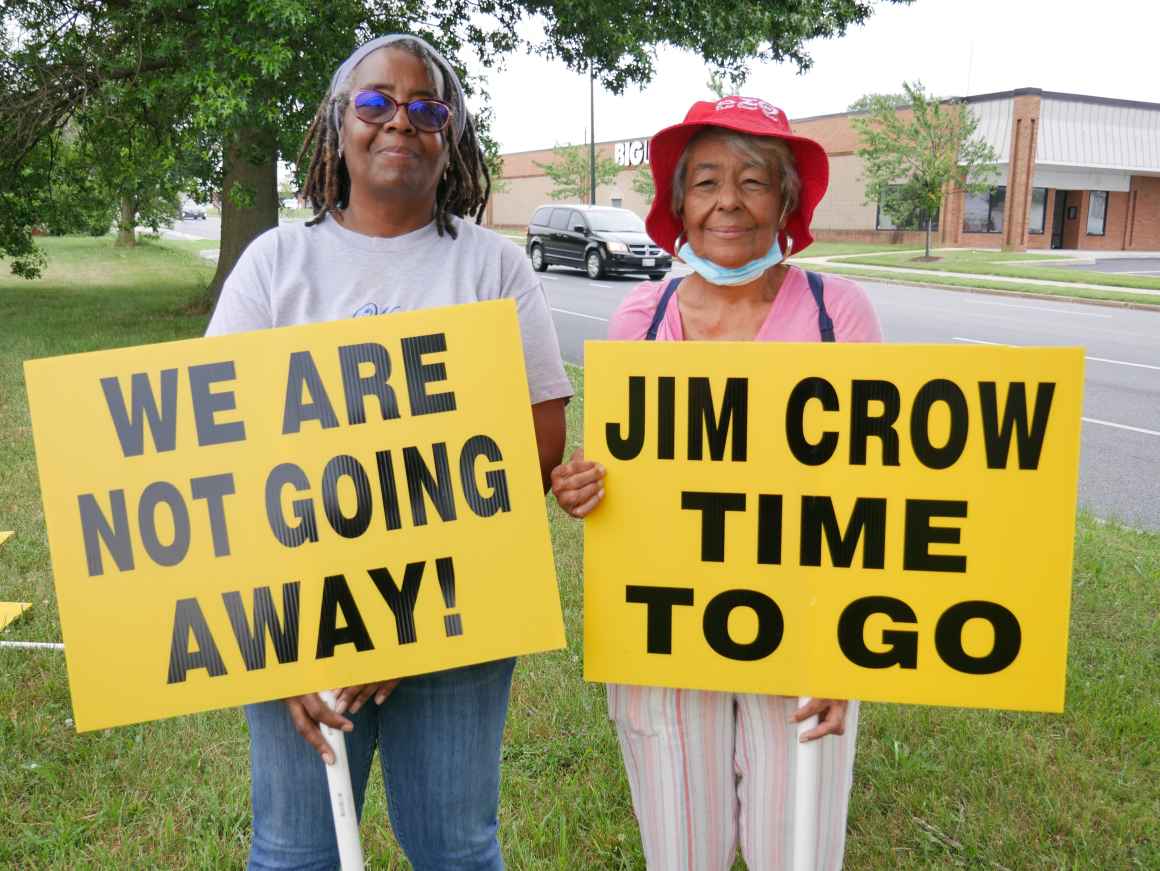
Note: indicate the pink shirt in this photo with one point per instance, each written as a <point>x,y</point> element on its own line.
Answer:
<point>793,316</point>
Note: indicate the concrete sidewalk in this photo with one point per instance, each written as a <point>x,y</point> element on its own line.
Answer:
<point>821,262</point>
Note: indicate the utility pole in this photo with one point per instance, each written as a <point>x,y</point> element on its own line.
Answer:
<point>592,143</point>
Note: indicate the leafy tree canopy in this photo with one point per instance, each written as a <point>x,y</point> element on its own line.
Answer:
<point>571,172</point>
<point>241,78</point>
<point>912,158</point>
<point>867,101</point>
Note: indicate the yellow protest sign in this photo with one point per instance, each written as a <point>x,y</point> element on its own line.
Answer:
<point>4,536</point>
<point>881,522</point>
<point>9,611</point>
<point>250,517</point>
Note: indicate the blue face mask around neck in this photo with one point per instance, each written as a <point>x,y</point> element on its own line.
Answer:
<point>716,274</point>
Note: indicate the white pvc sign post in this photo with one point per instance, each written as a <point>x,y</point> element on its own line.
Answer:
<point>805,805</point>
<point>342,806</point>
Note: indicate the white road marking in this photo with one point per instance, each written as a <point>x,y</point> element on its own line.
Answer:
<point>551,277</point>
<point>1093,359</point>
<point>598,284</point>
<point>565,311</point>
<point>1062,311</point>
<point>1150,432</point>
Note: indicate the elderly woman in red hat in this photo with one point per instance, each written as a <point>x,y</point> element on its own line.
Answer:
<point>735,192</point>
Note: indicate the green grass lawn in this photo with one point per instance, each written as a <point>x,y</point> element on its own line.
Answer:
<point>934,788</point>
<point>1006,265</point>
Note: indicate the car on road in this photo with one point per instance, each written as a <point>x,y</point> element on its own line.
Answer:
<point>601,240</point>
<point>193,211</point>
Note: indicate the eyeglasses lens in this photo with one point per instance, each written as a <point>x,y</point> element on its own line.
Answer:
<point>430,116</point>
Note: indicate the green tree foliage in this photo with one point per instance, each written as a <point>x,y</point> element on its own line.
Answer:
<point>571,173</point>
<point>642,183</point>
<point>867,101</point>
<point>243,77</point>
<point>914,156</point>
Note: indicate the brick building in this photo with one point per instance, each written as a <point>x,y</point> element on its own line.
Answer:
<point>1077,173</point>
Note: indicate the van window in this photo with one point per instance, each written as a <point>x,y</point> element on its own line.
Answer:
<point>542,215</point>
<point>561,218</point>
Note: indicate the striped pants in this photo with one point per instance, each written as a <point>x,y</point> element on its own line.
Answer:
<point>708,768</point>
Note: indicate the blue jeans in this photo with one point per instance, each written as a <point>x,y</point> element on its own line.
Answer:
<point>439,744</point>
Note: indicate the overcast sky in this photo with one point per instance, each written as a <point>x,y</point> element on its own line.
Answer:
<point>956,47</point>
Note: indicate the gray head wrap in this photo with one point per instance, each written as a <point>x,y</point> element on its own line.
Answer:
<point>449,89</point>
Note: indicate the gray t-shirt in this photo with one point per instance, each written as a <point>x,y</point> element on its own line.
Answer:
<point>296,274</point>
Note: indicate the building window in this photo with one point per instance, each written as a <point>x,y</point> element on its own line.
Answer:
<point>914,220</point>
<point>1097,213</point>
<point>983,213</point>
<point>1038,217</point>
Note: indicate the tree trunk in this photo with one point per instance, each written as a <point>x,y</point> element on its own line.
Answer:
<point>928,220</point>
<point>127,223</point>
<point>251,168</point>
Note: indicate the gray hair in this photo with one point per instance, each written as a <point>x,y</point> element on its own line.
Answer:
<point>774,154</point>
<point>442,77</point>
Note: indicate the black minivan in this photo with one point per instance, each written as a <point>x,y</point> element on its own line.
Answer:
<point>598,239</point>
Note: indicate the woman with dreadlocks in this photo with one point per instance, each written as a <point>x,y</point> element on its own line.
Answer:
<point>395,166</point>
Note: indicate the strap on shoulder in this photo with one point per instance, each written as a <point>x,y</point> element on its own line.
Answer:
<point>662,304</point>
<point>825,325</point>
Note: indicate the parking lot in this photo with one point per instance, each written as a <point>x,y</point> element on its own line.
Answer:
<point>1121,265</point>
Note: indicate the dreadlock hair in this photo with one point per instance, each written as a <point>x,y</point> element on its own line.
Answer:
<point>466,184</point>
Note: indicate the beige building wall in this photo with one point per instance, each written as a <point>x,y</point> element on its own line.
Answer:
<point>843,207</point>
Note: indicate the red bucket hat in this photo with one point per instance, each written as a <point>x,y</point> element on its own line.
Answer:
<point>745,115</point>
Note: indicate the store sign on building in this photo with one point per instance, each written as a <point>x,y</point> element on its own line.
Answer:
<point>633,152</point>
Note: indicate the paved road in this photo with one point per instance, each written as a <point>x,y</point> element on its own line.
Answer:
<point>1120,456</point>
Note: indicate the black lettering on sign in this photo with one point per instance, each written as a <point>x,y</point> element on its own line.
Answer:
<point>420,374</point>
<point>281,476</point>
<point>712,507</point>
<point>806,452</point>
<point>388,489</point>
<point>97,530</point>
<point>206,404</point>
<point>498,500</point>
<point>939,390</point>
<point>1029,438</point>
<point>346,466</point>
<point>703,421</point>
<point>452,623</point>
<point>868,516</point>
<point>660,602</point>
<point>666,417</point>
<point>187,618</point>
<point>283,634</point>
<point>920,535</point>
<point>213,489</point>
<point>420,481</point>
<point>769,517</point>
<point>130,425</point>
<point>863,425</point>
<point>948,637</point>
<point>315,405</point>
<point>336,596</point>
<point>156,494</point>
<point>770,624</point>
<point>903,644</point>
<point>627,446</point>
<point>402,600</point>
<point>356,387</point>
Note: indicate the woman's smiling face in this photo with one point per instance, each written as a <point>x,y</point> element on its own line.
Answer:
<point>393,159</point>
<point>733,205</point>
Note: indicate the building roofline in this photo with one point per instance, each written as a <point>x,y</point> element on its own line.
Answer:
<point>1017,92</point>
